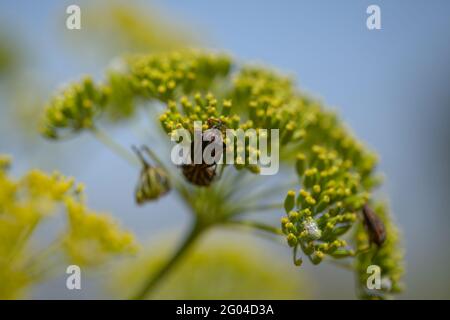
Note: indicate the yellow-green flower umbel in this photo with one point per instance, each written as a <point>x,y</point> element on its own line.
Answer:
<point>25,204</point>
<point>335,173</point>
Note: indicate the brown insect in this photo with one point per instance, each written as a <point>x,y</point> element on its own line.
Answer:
<point>374,226</point>
<point>199,174</point>
<point>203,174</point>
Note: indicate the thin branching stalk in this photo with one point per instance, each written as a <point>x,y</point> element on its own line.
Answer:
<point>254,225</point>
<point>262,207</point>
<point>154,279</point>
<point>114,146</point>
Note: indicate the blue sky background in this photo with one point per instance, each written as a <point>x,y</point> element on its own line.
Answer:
<point>390,86</point>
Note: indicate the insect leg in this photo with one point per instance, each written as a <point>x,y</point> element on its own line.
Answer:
<point>140,156</point>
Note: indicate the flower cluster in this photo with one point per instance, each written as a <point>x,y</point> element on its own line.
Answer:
<point>336,172</point>
<point>200,108</point>
<point>92,238</point>
<point>159,77</point>
<point>325,208</point>
<point>268,101</point>
<point>334,169</point>
<point>166,76</point>
<point>271,100</point>
<point>388,257</point>
<point>74,109</point>
<point>25,204</point>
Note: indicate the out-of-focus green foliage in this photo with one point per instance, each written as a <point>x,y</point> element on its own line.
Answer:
<point>108,28</point>
<point>389,258</point>
<point>221,266</point>
<point>11,55</point>
<point>21,97</point>
<point>127,27</point>
<point>26,204</point>
<point>6,58</point>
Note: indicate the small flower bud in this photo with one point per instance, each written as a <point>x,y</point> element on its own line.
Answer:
<point>292,240</point>
<point>310,200</point>
<point>227,104</point>
<point>300,164</point>
<point>298,262</point>
<point>316,189</point>
<point>308,248</point>
<point>305,212</point>
<point>310,177</point>
<point>290,227</point>
<point>293,216</point>
<point>5,162</point>
<point>323,203</point>
<point>289,201</point>
<point>317,257</point>
<point>284,221</point>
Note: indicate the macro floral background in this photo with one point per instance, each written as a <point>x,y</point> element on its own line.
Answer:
<point>390,87</point>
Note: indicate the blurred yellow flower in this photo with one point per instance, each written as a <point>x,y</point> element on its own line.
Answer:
<point>27,203</point>
<point>223,265</point>
<point>91,237</point>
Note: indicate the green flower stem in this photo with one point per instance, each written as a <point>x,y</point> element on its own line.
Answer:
<point>154,279</point>
<point>154,157</point>
<point>255,225</point>
<point>115,147</point>
<point>43,270</point>
<point>19,245</point>
<point>190,238</point>
<point>262,207</point>
<point>342,265</point>
<point>237,179</point>
<point>268,192</point>
<point>47,252</point>
<point>221,170</point>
